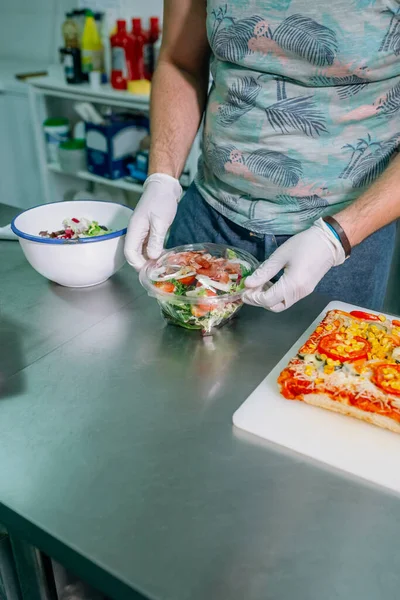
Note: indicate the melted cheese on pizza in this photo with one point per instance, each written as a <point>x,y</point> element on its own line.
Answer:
<point>353,361</point>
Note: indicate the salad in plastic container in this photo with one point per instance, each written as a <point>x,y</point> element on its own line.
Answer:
<point>198,286</point>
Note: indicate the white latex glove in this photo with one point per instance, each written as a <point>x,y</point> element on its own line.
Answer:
<point>306,258</point>
<point>151,219</point>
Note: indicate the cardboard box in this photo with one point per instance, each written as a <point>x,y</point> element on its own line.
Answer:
<point>111,146</point>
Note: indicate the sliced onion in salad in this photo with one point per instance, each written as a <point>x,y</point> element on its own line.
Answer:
<point>181,273</point>
<point>213,285</point>
<point>199,291</point>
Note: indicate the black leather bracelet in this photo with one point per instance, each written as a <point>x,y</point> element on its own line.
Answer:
<point>344,240</point>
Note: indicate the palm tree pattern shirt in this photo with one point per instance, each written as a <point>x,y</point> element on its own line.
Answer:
<point>303,114</point>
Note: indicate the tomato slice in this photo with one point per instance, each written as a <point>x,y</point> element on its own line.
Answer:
<point>330,346</point>
<point>202,309</point>
<point>386,377</point>
<point>165,286</point>
<point>188,280</point>
<point>396,323</point>
<point>223,277</point>
<point>359,314</point>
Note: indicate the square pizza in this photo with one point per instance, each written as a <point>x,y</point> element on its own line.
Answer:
<point>351,365</point>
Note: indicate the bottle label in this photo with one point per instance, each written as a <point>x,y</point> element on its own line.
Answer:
<point>97,60</point>
<point>87,64</point>
<point>69,66</point>
<point>119,60</point>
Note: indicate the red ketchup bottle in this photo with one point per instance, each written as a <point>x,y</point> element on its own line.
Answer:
<point>148,52</point>
<point>138,42</point>
<point>121,57</point>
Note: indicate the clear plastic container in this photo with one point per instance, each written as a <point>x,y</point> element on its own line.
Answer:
<point>56,131</point>
<point>198,286</point>
<point>72,156</point>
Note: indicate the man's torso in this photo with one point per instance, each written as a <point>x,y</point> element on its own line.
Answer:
<point>304,110</point>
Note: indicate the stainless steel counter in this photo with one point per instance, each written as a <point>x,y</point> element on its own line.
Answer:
<point>118,457</point>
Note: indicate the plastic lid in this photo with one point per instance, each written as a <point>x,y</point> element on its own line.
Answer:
<point>69,15</point>
<point>88,13</point>
<point>73,145</point>
<point>121,24</point>
<point>55,122</point>
<point>149,271</point>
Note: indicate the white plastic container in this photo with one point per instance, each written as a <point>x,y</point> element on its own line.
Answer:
<point>74,263</point>
<point>56,131</point>
<point>72,156</point>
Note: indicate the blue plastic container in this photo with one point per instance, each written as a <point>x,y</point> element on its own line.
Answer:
<point>110,146</point>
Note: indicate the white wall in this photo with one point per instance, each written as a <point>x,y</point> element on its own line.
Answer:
<point>31,29</point>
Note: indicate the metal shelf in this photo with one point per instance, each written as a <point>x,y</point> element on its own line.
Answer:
<point>53,179</point>
<point>122,184</point>
<point>105,94</point>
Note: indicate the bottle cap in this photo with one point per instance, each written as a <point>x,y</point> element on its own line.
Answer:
<point>137,24</point>
<point>55,122</point>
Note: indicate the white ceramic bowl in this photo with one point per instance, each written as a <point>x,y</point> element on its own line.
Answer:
<point>74,263</point>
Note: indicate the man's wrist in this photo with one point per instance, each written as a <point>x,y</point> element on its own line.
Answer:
<point>340,234</point>
<point>166,170</point>
<point>166,180</point>
<point>163,161</point>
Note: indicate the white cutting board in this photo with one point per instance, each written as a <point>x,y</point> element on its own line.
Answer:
<point>342,442</point>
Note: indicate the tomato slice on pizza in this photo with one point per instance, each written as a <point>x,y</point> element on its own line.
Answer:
<point>351,365</point>
<point>360,314</point>
<point>387,377</point>
<point>338,346</point>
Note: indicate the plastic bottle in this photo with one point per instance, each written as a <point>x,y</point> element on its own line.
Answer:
<point>71,60</point>
<point>92,49</point>
<point>138,39</point>
<point>79,17</point>
<point>56,130</point>
<point>148,50</point>
<point>71,55</point>
<point>100,19</point>
<point>156,50</point>
<point>121,57</point>
<point>70,31</point>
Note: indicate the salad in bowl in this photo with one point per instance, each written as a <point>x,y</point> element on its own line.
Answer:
<point>199,286</point>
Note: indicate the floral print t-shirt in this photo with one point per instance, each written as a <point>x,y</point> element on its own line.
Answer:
<point>304,111</point>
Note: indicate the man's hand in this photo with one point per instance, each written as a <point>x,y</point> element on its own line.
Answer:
<point>305,258</point>
<point>151,219</point>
